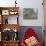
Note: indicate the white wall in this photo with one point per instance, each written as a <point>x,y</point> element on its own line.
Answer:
<point>27,4</point>
<point>32,4</point>
<point>6,3</point>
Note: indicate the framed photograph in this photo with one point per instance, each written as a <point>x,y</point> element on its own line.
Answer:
<point>13,20</point>
<point>6,34</point>
<point>5,12</point>
<point>12,12</point>
<point>10,20</point>
<point>5,19</point>
<point>30,13</point>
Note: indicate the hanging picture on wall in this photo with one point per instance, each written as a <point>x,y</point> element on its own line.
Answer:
<point>5,12</point>
<point>30,13</point>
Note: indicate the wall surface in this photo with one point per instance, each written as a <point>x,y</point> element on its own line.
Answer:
<point>32,4</point>
<point>26,4</point>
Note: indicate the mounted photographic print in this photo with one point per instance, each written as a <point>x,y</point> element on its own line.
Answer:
<point>5,12</point>
<point>13,20</point>
<point>30,13</point>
